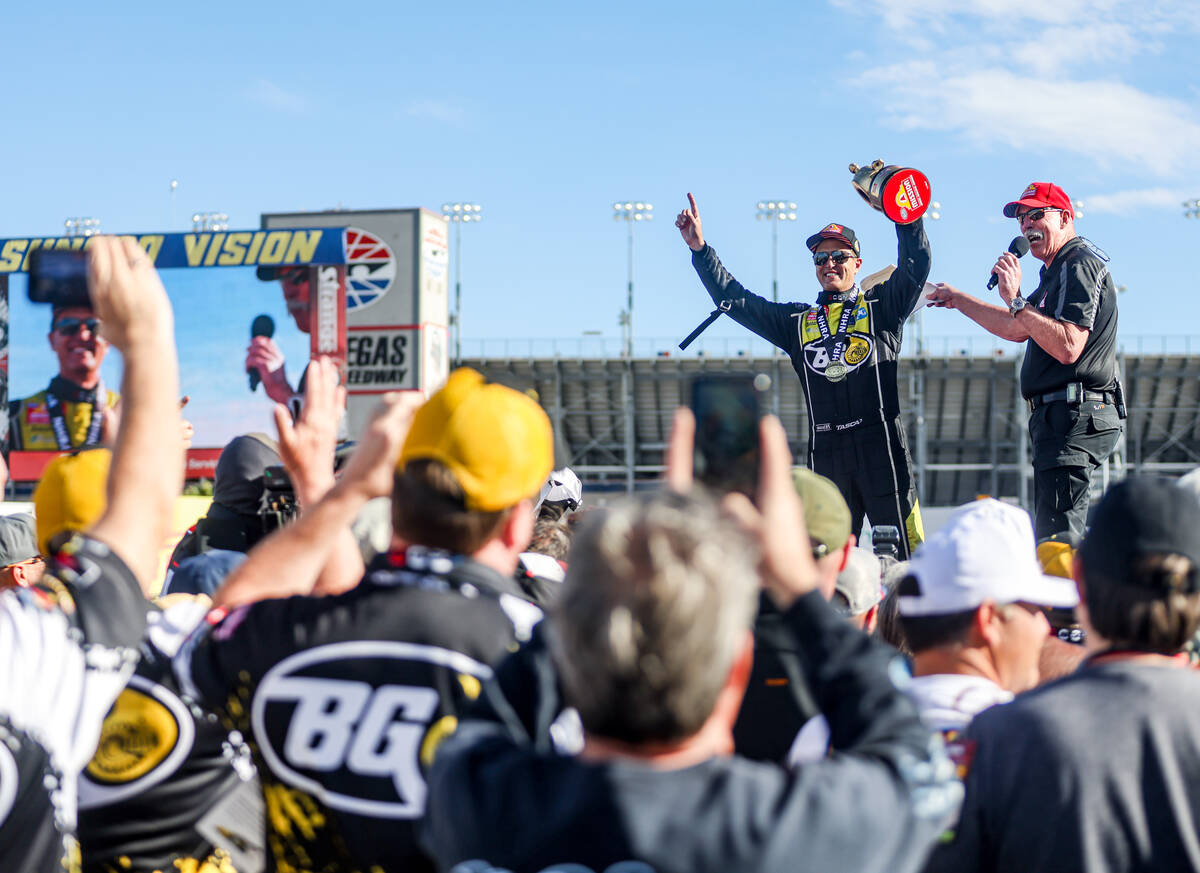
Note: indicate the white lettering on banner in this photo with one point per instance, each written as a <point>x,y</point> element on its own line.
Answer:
<point>327,314</point>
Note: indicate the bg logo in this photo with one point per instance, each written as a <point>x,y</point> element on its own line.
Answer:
<point>329,725</point>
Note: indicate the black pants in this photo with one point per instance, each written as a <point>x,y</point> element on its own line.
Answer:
<point>871,466</point>
<point>1070,440</point>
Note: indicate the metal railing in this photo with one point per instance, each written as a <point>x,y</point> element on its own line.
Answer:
<point>750,346</point>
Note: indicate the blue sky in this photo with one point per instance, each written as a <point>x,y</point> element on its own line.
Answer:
<point>547,113</point>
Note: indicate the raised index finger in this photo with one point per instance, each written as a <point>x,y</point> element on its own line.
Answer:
<point>692,201</point>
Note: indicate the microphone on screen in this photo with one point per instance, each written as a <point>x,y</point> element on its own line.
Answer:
<point>264,325</point>
<point>1019,247</point>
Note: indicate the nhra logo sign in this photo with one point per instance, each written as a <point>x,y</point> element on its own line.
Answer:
<point>354,744</point>
<point>370,268</point>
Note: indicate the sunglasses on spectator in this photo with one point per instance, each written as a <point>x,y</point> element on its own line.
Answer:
<point>70,326</point>
<point>1036,214</point>
<point>839,257</point>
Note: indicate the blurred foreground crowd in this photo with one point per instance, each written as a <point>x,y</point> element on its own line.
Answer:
<point>427,653</point>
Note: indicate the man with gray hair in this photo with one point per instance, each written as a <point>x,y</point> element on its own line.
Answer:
<point>652,639</point>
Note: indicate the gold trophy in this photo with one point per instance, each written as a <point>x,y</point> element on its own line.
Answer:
<point>900,193</point>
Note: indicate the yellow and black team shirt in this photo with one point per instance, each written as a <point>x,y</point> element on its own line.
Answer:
<point>67,648</point>
<point>158,769</point>
<point>31,426</point>
<point>344,700</point>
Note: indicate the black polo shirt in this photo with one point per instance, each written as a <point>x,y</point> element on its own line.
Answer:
<point>1075,288</point>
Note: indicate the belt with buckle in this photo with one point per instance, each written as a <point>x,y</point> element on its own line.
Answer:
<point>1072,393</point>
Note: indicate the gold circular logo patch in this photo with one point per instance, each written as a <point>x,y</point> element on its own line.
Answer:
<point>138,734</point>
<point>857,351</point>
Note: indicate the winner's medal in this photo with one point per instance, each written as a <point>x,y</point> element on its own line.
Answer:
<point>836,371</point>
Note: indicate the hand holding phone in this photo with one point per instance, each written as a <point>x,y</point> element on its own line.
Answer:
<point>727,410</point>
<point>59,277</point>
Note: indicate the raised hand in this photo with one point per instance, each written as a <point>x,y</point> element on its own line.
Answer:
<point>307,447</point>
<point>688,223</point>
<point>127,294</point>
<point>370,469</point>
<point>776,519</point>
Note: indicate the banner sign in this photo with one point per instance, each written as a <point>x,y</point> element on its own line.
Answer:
<point>381,359</point>
<point>218,248</point>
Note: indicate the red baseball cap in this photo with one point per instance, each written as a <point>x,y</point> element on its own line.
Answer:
<point>1041,194</point>
<point>834,231</point>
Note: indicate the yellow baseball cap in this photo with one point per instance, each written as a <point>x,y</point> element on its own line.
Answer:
<point>71,494</point>
<point>497,442</point>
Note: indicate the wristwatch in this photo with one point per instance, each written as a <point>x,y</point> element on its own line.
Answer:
<point>1016,305</point>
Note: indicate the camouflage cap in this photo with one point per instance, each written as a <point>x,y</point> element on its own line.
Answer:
<point>825,510</point>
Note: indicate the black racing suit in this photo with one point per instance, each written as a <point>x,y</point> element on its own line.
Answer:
<point>854,435</point>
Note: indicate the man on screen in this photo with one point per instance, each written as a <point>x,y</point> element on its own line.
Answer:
<point>72,411</point>
<point>264,354</point>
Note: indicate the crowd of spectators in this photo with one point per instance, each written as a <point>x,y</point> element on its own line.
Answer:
<point>519,681</point>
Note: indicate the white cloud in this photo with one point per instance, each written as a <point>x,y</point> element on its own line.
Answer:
<point>1103,121</point>
<point>941,14</point>
<point>438,110</point>
<point>1036,75</point>
<point>272,96</point>
<point>1120,202</point>
<point>1058,48</point>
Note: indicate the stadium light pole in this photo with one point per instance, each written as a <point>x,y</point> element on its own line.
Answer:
<point>631,211</point>
<point>210,221</point>
<point>918,399</point>
<point>459,214</point>
<point>775,211</point>
<point>174,188</point>
<point>1191,208</point>
<point>82,226</point>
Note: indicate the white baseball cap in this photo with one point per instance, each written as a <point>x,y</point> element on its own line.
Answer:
<point>985,551</point>
<point>561,486</point>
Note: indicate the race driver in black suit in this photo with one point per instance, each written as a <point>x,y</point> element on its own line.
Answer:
<point>846,361</point>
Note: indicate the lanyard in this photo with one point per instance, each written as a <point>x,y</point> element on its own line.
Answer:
<point>96,397</point>
<point>835,344</point>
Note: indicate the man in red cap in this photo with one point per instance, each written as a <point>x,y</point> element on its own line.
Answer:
<point>1069,375</point>
<point>844,349</point>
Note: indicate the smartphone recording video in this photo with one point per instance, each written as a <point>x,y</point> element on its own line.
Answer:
<point>59,277</point>
<point>727,409</point>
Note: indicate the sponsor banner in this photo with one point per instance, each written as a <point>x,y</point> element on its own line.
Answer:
<point>28,466</point>
<point>328,332</point>
<point>381,358</point>
<point>436,357</point>
<point>227,248</point>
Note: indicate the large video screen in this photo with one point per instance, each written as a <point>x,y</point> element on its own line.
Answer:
<point>225,288</point>
<point>214,311</point>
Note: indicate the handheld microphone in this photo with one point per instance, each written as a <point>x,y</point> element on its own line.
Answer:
<point>264,325</point>
<point>1019,247</point>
